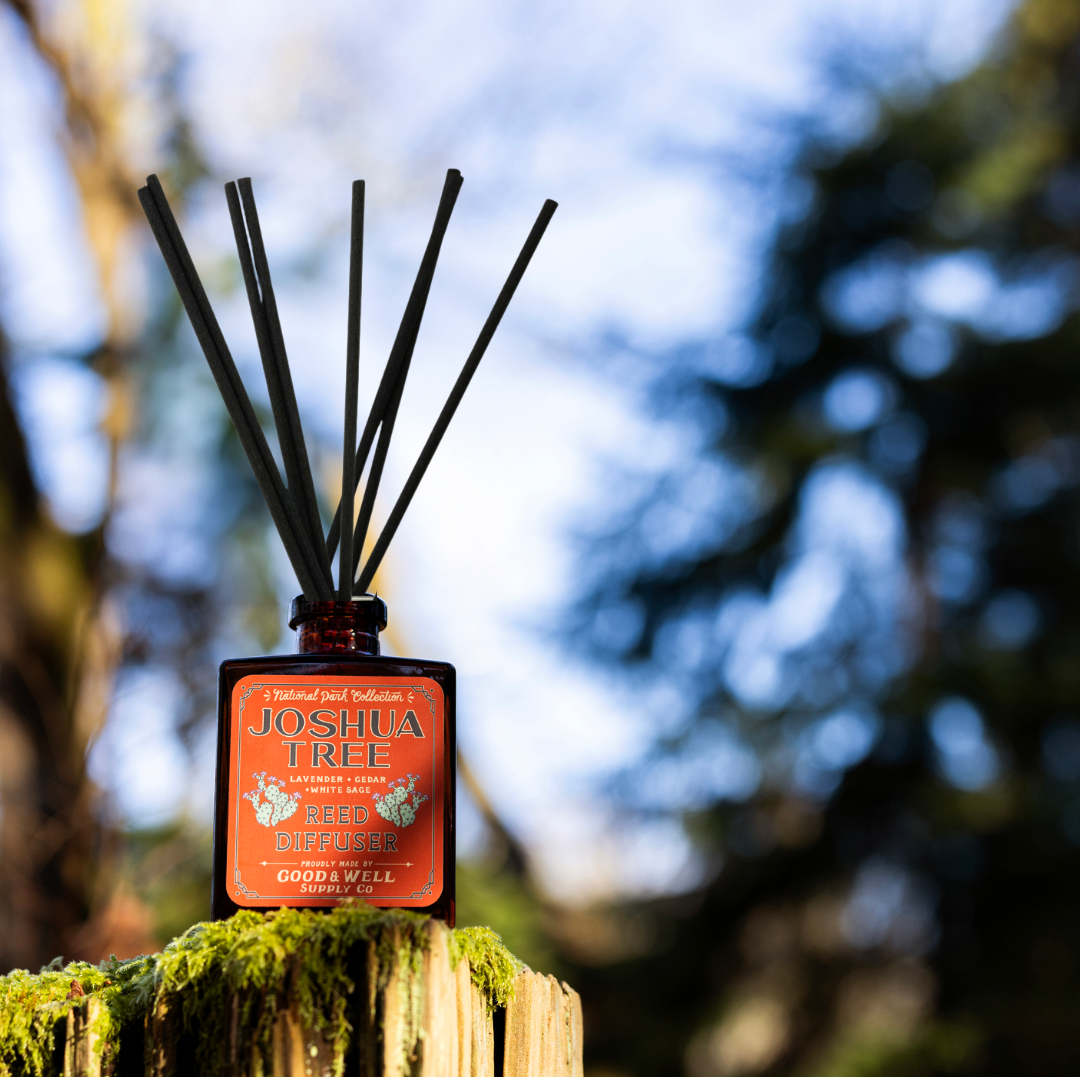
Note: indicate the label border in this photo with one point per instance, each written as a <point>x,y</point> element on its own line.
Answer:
<point>398,682</point>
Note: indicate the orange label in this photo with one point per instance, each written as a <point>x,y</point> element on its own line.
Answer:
<point>335,791</point>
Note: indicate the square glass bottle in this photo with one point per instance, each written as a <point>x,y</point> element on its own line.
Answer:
<point>335,771</point>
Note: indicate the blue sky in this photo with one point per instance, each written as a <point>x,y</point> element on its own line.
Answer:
<point>638,118</point>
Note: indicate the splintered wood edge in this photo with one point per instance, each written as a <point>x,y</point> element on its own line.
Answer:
<point>524,1021</point>
<point>457,1032</point>
<point>576,1036</point>
<point>297,1050</point>
<point>161,1029</point>
<point>439,1024</point>
<point>396,998</point>
<point>464,999</point>
<point>81,1057</point>
<point>544,1028</point>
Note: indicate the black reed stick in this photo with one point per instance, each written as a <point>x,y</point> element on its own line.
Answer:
<point>456,394</point>
<point>193,296</point>
<point>371,489</point>
<point>424,278</point>
<point>401,351</point>
<point>294,509</point>
<point>266,348</point>
<point>278,376</point>
<point>346,569</point>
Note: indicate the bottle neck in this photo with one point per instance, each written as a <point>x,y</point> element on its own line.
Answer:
<point>338,626</point>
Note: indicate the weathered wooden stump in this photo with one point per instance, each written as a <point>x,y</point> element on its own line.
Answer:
<point>298,994</point>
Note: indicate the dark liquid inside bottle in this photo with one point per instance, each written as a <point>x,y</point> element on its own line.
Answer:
<point>335,771</point>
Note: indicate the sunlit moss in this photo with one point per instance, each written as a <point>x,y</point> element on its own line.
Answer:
<point>32,1005</point>
<point>493,966</point>
<point>256,959</point>
<point>493,897</point>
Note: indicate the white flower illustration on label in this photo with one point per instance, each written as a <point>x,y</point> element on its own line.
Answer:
<point>396,806</point>
<point>278,805</point>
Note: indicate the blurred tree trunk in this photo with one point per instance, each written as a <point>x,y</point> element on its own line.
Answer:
<point>59,642</point>
<point>55,656</point>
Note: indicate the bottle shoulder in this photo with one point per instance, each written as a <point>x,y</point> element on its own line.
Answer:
<point>338,665</point>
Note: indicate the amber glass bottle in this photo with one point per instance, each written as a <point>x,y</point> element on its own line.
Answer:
<point>335,771</point>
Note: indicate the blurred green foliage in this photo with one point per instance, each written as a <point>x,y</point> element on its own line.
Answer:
<point>902,892</point>
<point>170,868</point>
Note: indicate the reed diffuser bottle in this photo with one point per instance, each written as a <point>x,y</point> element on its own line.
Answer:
<point>335,771</point>
<point>336,765</point>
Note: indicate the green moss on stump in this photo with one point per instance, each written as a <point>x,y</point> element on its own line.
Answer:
<point>32,1005</point>
<point>264,961</point>
<point>493,966</point>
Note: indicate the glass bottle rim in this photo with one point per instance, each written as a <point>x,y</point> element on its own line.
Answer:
<point>371,608</point>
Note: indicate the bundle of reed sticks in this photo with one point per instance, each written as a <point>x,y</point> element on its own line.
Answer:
<point>292,502</point>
